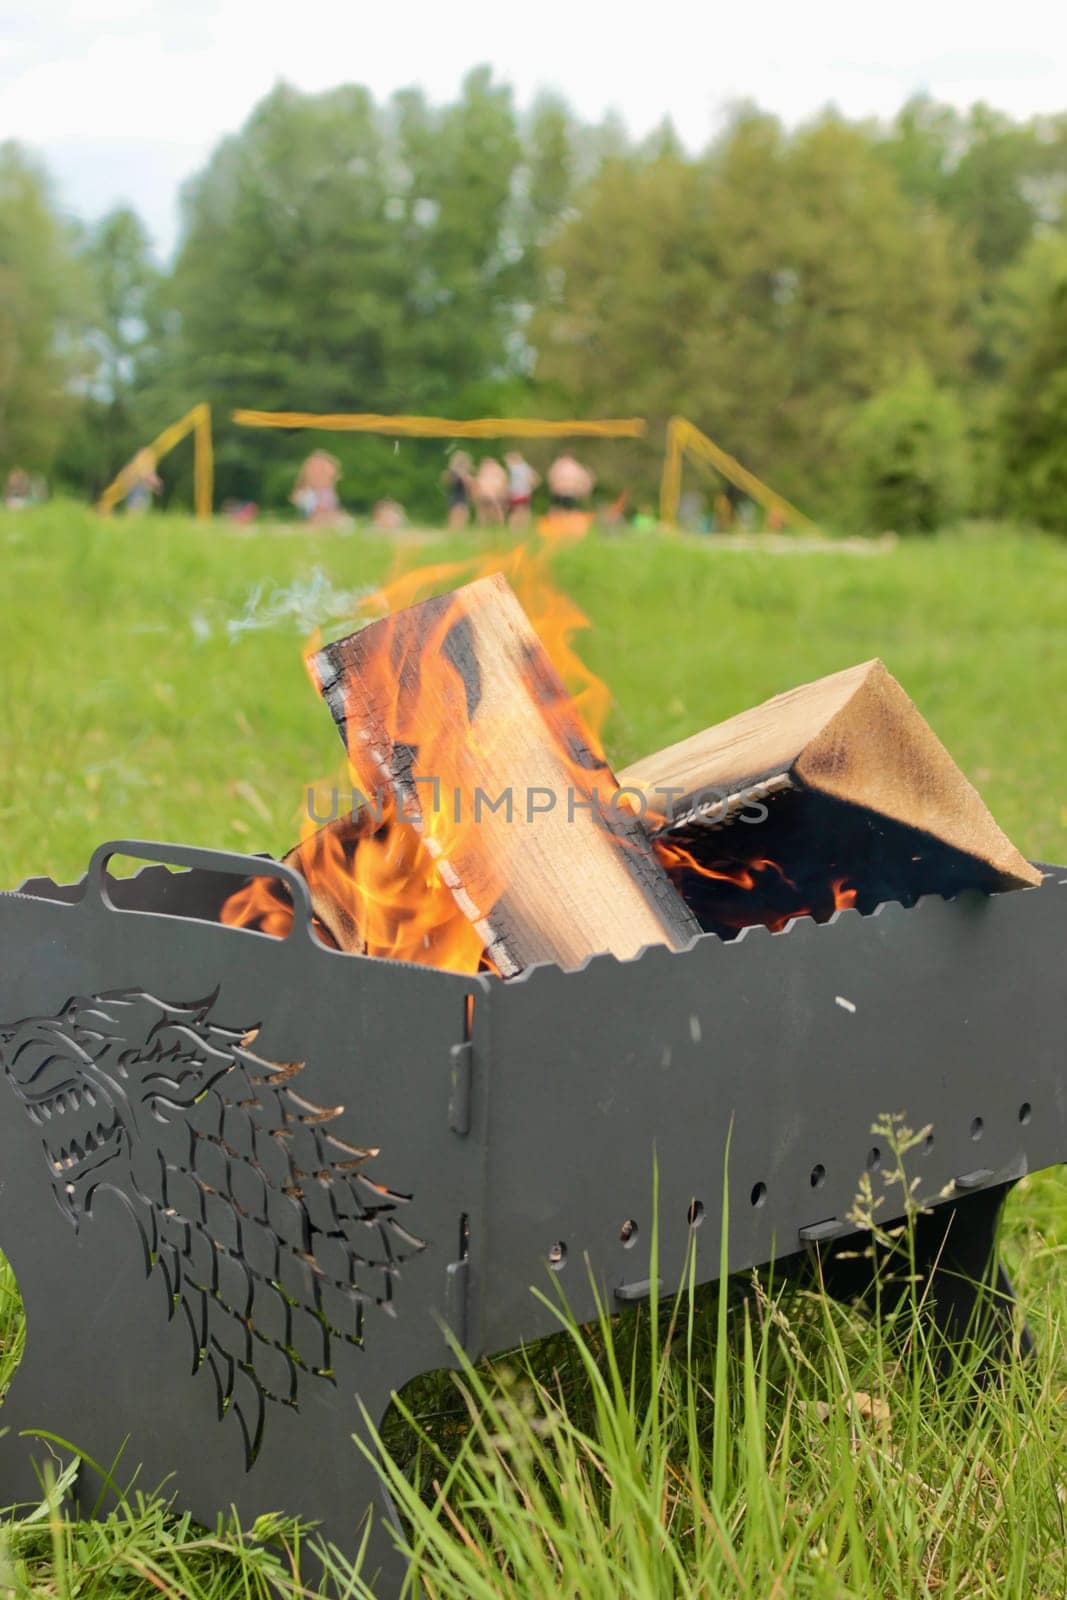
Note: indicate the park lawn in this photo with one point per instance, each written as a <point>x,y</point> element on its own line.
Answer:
<point>136,703</point>
<point>152,686</point>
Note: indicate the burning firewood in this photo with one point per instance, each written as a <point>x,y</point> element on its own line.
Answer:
<point>373,892</point>
<point>452,711</point>
<point>852,791</point>
<point>325,862</point>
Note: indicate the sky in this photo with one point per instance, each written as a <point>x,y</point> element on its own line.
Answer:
<point>126,98</point>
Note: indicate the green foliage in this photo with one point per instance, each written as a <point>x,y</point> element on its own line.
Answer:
<point>44,298</point>
<point>342,254</point>
<point>751,291</point>
<point>909,457</point>
<point>123,333</point>
<point>1035,419</point>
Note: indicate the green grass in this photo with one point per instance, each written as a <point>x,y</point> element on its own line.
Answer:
<point>607,1464</point>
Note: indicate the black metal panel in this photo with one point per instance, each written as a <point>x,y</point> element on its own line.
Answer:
<point>183,1153</point>
<point>791,1044</point>
<point>376,1041</point>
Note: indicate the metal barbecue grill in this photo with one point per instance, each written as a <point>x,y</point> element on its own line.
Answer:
<point>244,1180</point>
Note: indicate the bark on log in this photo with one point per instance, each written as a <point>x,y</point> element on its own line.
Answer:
<point>454,706</point>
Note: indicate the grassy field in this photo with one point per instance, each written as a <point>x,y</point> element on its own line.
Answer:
<point>152,686</point>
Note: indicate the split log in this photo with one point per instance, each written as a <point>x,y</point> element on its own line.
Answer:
<point>454,708</point>
<point>853,737</point>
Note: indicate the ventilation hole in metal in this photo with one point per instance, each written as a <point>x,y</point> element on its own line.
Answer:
<point>874,1158</point>
<point>759,1194</point>
<point>1026,1111</point>
<point>628,1232</point>
<point>928,1143</point>
<point>818,1175</point>
<point>557,1256</point>
<point>977,1128</point>
<point>695,1214</point>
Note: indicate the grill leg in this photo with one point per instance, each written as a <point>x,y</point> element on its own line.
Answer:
<point>965,1291</point>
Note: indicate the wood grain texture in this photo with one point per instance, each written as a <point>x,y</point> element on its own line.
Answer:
<point>460,690</point>
<point>854,736</point>
<point>326,861</point>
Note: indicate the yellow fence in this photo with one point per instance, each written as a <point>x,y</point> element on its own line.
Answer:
<point>446,427</point>
<point>198,423</point>
<point>683,439</point>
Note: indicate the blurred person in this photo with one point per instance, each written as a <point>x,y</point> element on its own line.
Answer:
<point>569,483</point>
<point>241,512</point>
<point>145,483</point>
<point>522,481</point>
<point>315,494</point>
<point>388,516</point>
<point>457,479</point>
<point>491,491</point>
<point>18,490</point>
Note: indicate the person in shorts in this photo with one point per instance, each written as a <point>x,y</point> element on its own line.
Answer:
<point>457,478</point>
<point>522,481</point>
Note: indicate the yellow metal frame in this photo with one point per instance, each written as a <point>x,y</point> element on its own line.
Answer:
<point>683,439</point>
<point>198,423</point>
<point>446,427</point>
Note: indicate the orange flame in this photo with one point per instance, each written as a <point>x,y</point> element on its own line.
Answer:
<point>378,885</point>
<point>383,886</point>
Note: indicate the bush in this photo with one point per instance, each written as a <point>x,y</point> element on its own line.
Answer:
<point>1034,425</point>
<point>911,466</point>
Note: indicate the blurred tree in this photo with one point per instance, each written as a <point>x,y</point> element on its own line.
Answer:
<point>125,329</point>
<point>125,280</point>
<point>337,257</point>
<point>999,183</point>
<point>989,192</point>
<point>44,300</point>
<point>1034,423</point>
<point>922,146</point>
<point>909,468</point>
<point>763,291</point>
<point>1020,293</point>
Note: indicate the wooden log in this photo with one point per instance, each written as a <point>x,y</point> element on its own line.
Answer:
<point>855,737</point>
<point>454,707</point>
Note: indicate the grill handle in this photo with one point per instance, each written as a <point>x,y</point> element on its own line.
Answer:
<point>189,855</point>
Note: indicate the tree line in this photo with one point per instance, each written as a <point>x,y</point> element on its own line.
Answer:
<point>872,316</point>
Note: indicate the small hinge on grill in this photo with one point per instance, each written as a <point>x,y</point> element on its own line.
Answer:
<point>974,1180</point>
<point>823,1232</point>
<point>459,1100</point>
<point>458,1284</point>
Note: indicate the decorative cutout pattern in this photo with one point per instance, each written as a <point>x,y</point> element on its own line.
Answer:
<point>271,1238</point>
